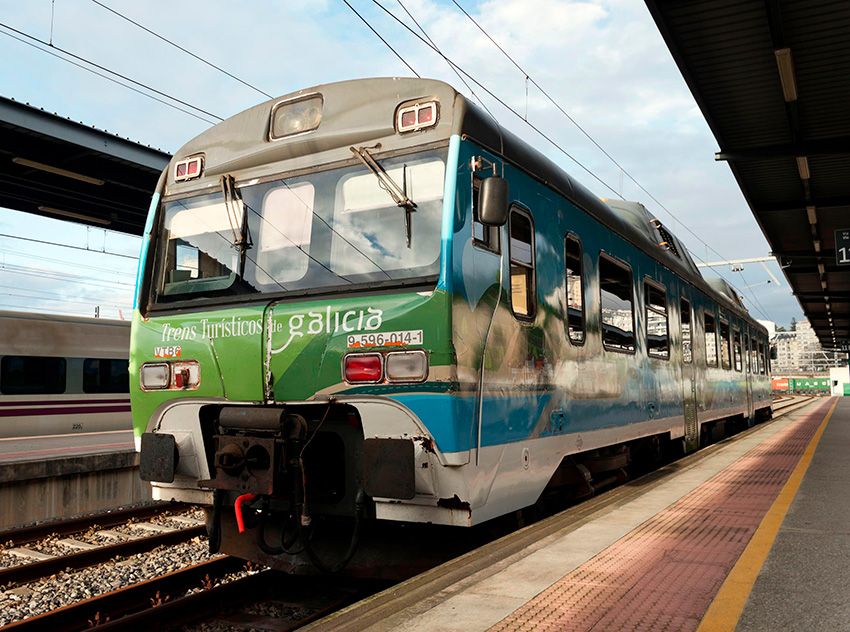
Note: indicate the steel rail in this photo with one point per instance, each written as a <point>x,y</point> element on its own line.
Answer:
<point>111,609</point>
<point>22,573</point>
<point>41,530</point>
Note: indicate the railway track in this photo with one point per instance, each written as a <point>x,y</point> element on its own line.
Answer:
<point>215,590</point>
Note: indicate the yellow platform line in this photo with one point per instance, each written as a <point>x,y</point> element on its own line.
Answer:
<point>725,611</point>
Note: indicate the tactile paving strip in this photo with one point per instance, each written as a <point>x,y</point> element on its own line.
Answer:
<point>663,575</point>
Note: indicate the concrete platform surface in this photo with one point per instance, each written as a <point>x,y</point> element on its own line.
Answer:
<point>39,448</point>
<point>654,561</point>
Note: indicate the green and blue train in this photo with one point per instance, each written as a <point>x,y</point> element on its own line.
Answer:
<point>367,302</point>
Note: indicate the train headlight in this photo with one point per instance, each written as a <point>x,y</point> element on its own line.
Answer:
<point>407,366</point>
<point>155,376</point>
<point>296,116</point>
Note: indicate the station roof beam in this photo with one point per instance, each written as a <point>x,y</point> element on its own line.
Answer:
<point>770,77</point>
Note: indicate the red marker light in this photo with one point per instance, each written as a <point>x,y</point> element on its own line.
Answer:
<point>425,115</point>
<point>363,368</point>
<point>192,169</point>
<point>408,119</point>
<point>181,170</point>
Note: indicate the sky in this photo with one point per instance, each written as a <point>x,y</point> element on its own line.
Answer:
<point>602,61</point>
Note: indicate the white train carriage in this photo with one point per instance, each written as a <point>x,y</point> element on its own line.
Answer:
<point>62,375</point>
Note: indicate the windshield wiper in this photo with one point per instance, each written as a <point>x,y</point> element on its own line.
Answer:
<point>397,193</point>
<point>236,215</point>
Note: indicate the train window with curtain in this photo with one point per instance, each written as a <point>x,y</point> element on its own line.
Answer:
<point>105,376</point>
<point>521,250</point>
<point>484,236</point>
<point>617,305</point>
<point>710,340</point>
<point>685,315</point>
<point>725,346</point>
<point>657,334</point>
<point>736,351</point>
<point>575,289</point>
<point>31,375</point>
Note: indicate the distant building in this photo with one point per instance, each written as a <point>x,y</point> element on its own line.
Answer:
<point>799,351</point>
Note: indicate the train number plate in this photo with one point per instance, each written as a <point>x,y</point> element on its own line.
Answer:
<point>385,339</point>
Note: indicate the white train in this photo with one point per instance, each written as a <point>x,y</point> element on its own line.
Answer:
<point>62,374</point>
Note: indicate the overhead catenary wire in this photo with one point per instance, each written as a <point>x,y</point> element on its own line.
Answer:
<point>107,77</point>
<point>459,76</point>
<point>494,96</point>
<point>181,48</point>
<point>623,170</point>
<point>380,37</point>
<point>546,136</point>
<point>140,84</point>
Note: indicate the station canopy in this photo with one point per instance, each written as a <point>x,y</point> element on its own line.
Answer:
<point>52,166</point>
<point>772,78</point>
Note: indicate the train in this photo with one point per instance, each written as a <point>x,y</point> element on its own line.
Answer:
<point>368,303</point>
<point>63,375</point>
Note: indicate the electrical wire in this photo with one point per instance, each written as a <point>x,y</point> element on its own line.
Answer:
<point>185,50</point>
<point>558,106</point>
<point>107,70</point>
<point>53,243</point>
<point>378,35</point>
<point>498,99</point>
<point>459,76</point>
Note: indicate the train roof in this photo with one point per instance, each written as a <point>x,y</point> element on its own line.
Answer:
<point>363,112</point>
<point>23,333</point>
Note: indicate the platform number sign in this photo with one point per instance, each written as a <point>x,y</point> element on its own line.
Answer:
<point>842,246</point>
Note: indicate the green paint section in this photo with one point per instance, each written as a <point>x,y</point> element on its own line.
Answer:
<point>308,341</point>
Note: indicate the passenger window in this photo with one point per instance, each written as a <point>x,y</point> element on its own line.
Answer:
<point>657,335</point>
<point>685,314</point>
<point>105,376</point>
<point>484,236</point>
<point>762,359</point>
<point>710,340</point>
<point>747,353</point>
<point>617,304</point>
<point>31,375</point>
<point>575,289</point>
<point>725,350</point>
<point>522,265</point>
<point>736,350</point>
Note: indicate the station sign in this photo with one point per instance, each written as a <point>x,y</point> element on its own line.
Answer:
<point>842,246</point>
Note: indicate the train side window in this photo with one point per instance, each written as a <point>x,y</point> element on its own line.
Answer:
<point>710,340</point>
<point>105,376</point>
<point>736,350</point>
<point>575,289</point>
<point>725,346</point>
<point>657,329</point>
<point>521,249</point>
<point>747,353</point>
<point>685,314</point>
<point>484,236</point>
<point>762,359</point>
<point>31,375</point>
<point>617,305</point>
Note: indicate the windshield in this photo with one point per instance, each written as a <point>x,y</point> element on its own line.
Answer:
<point>326,229</point>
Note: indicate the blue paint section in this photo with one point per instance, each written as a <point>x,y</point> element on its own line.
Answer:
<point>143,253</point>
<point>448,214</point>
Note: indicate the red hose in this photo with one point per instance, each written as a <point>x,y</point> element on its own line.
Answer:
<point>237,508</point>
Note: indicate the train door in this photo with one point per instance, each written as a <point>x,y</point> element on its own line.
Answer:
<point>749,376</point>
<point>689,385</point>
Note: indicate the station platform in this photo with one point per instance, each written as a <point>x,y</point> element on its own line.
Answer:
<point>748,534</point>
<point>59,476</point>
